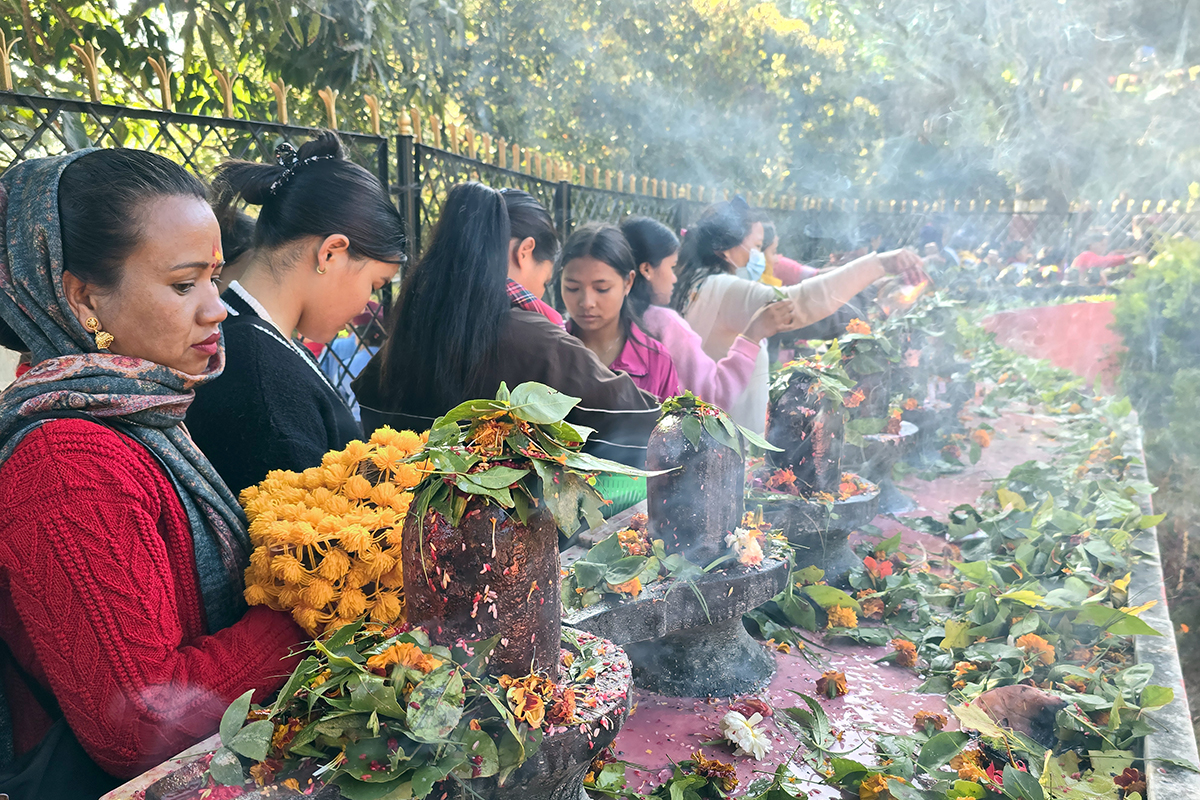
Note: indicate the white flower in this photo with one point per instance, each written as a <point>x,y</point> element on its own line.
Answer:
<point>741,732</point>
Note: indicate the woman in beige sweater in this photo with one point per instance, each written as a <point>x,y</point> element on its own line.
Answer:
<point>718,304</point>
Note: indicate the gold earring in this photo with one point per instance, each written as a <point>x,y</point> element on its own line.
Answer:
<point>104,339</point>
<point>320,270</point>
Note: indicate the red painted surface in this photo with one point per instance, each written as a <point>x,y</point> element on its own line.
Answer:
<point>881,696</point>
<point>1075,337</point>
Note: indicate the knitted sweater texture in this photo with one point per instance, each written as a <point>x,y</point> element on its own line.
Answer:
<point>99,602</point>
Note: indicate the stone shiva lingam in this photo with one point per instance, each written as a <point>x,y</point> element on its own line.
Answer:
<point>801,487</point>
<point>479,694</point>
<point>644,586</point>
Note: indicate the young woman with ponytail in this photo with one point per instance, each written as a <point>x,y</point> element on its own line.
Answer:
<point>326,238</point>
<point>598,275</point>
<point>455,334</point>
<point>718,304</point>
<point>655,249</point>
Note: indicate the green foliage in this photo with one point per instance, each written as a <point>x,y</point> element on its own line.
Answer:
<point>515,451</point>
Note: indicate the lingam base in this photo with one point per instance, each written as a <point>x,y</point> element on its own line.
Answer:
<point>554,772</point>
<point>877,455</point>
<point>683,647</point>
<point>820,532</point>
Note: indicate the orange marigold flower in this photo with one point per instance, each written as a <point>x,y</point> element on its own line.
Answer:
<point>924,718</point>
<point>875,787</point>
<point>840,617</point>
<point>981,437</point>
<point>1075,408</point>
<point>963,667</point>
<point>854,400</point>
<point>911,404</point>
<point>783,480</point>
<point>872,608</point>
<point>1037,648</point>
<point>894,422</point>
<point>969,764</point>
<point>723,774</point>
<point>906,652</point>
<point>404,653</point>
<point>490,435</point>
<point>527,706</point>
<point>856,325</point>
<point>631,587</point>
<point>832,684</point>
<point>877,569</point>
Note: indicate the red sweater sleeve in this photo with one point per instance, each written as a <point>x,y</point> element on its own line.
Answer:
<point>96,551</point>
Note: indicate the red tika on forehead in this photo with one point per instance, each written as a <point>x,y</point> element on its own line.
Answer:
<point>218,256</point>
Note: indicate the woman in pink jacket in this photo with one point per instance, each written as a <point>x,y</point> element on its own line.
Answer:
<point>655,250</point>
<point>598,274</point>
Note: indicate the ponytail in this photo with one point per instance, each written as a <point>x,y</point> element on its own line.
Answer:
<point>313,192</point>
<point>453,305</point>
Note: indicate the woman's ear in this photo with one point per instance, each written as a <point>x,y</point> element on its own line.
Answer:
<point>333,252</point>
<point>628,282</point>
<point>525,251</point>
<point>647,269</point>
<point>81,297</point>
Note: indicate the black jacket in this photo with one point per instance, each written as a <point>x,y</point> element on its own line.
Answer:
<point>272,407</point>
<point>531,349</point>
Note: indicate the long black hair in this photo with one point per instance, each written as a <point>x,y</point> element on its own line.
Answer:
<point>453,305</point>
<point>319,194</point>
<point>651,242</point>
<point>101,197</point>
<point>721,227</point>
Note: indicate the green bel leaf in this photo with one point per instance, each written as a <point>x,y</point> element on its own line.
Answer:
<point>827,597</point>
<point>478,744</point>
<point>956,634</point>
<point>1156,697</point>
<point>371,693</point>
<point>225,768</point>
<point>1020,785</point>
<point>234,717</point>
<point>539,404</point>
<point>435,705</point>
<point>626,569</point>
<point>941,748</point>
<point>254,740</point>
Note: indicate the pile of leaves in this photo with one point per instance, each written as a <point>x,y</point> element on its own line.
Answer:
<point>701,417</point>
<point>827,375</point>
<point>516,451</point>
<point>375,710</point>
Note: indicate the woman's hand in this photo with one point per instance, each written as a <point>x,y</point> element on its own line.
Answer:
<point>770,320</point>
<point>906,264</point>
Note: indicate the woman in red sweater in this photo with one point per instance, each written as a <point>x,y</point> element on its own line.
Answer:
<point>121,551</point>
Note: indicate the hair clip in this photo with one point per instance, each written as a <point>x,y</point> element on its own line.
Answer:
<point>286,155</point>
<point>295,165</point>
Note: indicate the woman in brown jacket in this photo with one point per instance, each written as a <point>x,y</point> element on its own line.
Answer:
<point>455,335</point>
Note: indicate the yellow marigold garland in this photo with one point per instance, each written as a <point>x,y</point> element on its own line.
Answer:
<point>327,540</point>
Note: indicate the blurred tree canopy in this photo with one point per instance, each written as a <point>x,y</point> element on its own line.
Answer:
<point>858,98</point>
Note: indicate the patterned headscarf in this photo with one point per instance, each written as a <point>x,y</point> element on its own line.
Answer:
<point>141,399</point>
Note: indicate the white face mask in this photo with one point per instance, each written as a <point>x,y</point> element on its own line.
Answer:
<point>757,264</point>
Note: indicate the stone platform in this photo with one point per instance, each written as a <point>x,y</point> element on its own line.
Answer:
<point>682,646</point>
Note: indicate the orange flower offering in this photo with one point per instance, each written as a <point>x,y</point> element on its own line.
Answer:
<point>877,569</point>
<point>405,654</point>
<point>1037,648</point>
<point>327,540</point>
<point>631,587</point>
<point>840,617</point>
<point>906,652</point>
<point>911,404</point>
<point>875,786</point>
<point>721,773</point>
<point>782,480</point>
<point>894,421</point>
<point>851,486</point>
<point>981,437</point>
<point>924,719</point>
<point>872,608</point>
<point>969,764</point>
<point>855,398</point>
<point>634,540</point>
<point>856,325</point>
<point>832,684</point>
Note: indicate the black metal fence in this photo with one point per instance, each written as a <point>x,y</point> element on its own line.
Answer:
<point>810,229</point>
